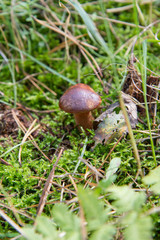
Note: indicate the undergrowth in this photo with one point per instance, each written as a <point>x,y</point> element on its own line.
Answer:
<point>45,47</point>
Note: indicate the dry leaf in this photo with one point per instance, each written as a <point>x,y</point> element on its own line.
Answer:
<point>112,125</point>
<point>133,87</point>
<point>131,109</point>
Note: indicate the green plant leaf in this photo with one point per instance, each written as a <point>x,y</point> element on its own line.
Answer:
<point>73,236</point>
<point>106,232</point>
<point>126,199</point>
<point>113,167</point>
<point>93,208</point>
<point>67,221</point>
<point>140,228</point>
<point>105,183</point>
<point>153,179</point>
<point>31,234</point>
<point>46,227</point>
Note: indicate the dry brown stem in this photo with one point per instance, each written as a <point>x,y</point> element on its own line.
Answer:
<point>47,186</point>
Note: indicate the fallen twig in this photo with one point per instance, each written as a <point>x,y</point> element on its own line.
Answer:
<point>12,223</point>
<point>27,134</point>
<point>22,127</point>
<point>97,173</point>
<point>47,186</point>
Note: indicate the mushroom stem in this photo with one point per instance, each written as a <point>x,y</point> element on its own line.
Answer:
<point>84,119</point>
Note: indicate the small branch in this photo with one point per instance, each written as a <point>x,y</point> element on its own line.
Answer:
<point>83,223</point>
<point>140,34</point>
<point>47,186</point>
<point>112,149</point>
<point>23,128</point>
<point>93,169</point>
<point>152,211</point>
<point>12,223</point>
<point>4,162</point>
<point>27,134</point>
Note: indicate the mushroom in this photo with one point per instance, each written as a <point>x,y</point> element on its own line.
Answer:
<point>80,100</point>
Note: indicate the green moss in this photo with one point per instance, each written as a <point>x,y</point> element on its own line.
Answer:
<point>22,186</point>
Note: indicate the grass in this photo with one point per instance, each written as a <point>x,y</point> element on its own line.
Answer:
<point>144,82</point>
<point>45,48</point>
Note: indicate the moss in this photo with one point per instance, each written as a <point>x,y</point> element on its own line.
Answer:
<point>22,186</point>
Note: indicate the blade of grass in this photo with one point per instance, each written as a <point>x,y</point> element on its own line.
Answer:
<point>141,33</point>
<point>144,86</point>
<point>110,43</point>
<point>11,69</point>
<point>133,142</point>
<point>85,53</point>
<point>42,64</point>
<point>136,21</point>
<point>12,148</point>
<point>15,27</point>
<point>5,103</point>
<point>94,34</point>
<point>82,154</point>
<point>6,19</point>
<point>66,29</point>
<point>106,24</point>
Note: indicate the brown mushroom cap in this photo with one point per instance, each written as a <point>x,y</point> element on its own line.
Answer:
<point>79,98</point>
